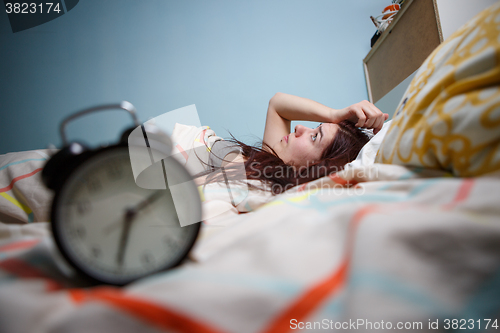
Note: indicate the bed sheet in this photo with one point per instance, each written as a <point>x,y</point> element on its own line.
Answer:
<point>369,246</point>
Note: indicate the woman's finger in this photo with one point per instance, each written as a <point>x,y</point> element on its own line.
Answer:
<point>373,108</point>
<point>375,114</point>
<point>371,117</point>
<point>360,115</point>
<point>377,126</point>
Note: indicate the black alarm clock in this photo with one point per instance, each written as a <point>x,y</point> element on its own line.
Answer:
<point>106,226</point>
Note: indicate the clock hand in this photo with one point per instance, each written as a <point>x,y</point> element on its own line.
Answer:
<point>129,218</point>
<point>130,214</point>
<point>148,201</point>
<point>141,205</point>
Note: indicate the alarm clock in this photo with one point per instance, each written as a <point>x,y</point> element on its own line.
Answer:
<point>107,227</point>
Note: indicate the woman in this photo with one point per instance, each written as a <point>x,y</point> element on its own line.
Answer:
<point>288,159</point>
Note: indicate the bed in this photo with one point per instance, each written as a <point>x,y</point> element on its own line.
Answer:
<point>410,242</point>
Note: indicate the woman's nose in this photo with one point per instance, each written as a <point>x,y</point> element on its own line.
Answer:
<point>299,130</point>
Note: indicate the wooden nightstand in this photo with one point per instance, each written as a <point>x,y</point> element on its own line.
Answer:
<point>417,29</point>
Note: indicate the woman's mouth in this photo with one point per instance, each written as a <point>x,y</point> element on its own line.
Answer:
<point>286,138</point>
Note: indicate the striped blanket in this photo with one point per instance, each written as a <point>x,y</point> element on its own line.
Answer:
<point>377,247</point>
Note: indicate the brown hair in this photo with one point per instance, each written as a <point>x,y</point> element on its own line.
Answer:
<point>262,162</point>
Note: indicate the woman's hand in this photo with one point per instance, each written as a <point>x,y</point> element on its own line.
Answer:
<point>363,114</point>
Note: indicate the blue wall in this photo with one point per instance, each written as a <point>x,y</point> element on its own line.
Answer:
<point>227,57</point>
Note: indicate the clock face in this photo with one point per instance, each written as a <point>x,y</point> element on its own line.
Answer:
<point>114,231</point>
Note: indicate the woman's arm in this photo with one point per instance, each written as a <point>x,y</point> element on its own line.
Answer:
<point>283,108</point>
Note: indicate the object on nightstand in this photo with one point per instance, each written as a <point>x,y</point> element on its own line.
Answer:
<point>382,21</point>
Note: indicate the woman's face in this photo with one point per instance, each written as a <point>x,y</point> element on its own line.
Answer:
<point>305,145</point>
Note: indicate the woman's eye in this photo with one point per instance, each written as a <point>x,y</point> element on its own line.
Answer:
<point>314,137</point>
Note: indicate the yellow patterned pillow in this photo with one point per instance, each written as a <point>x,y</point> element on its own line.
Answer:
<point>449,117</point>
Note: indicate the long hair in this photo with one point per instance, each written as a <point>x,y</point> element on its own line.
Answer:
<point>262,162</point>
